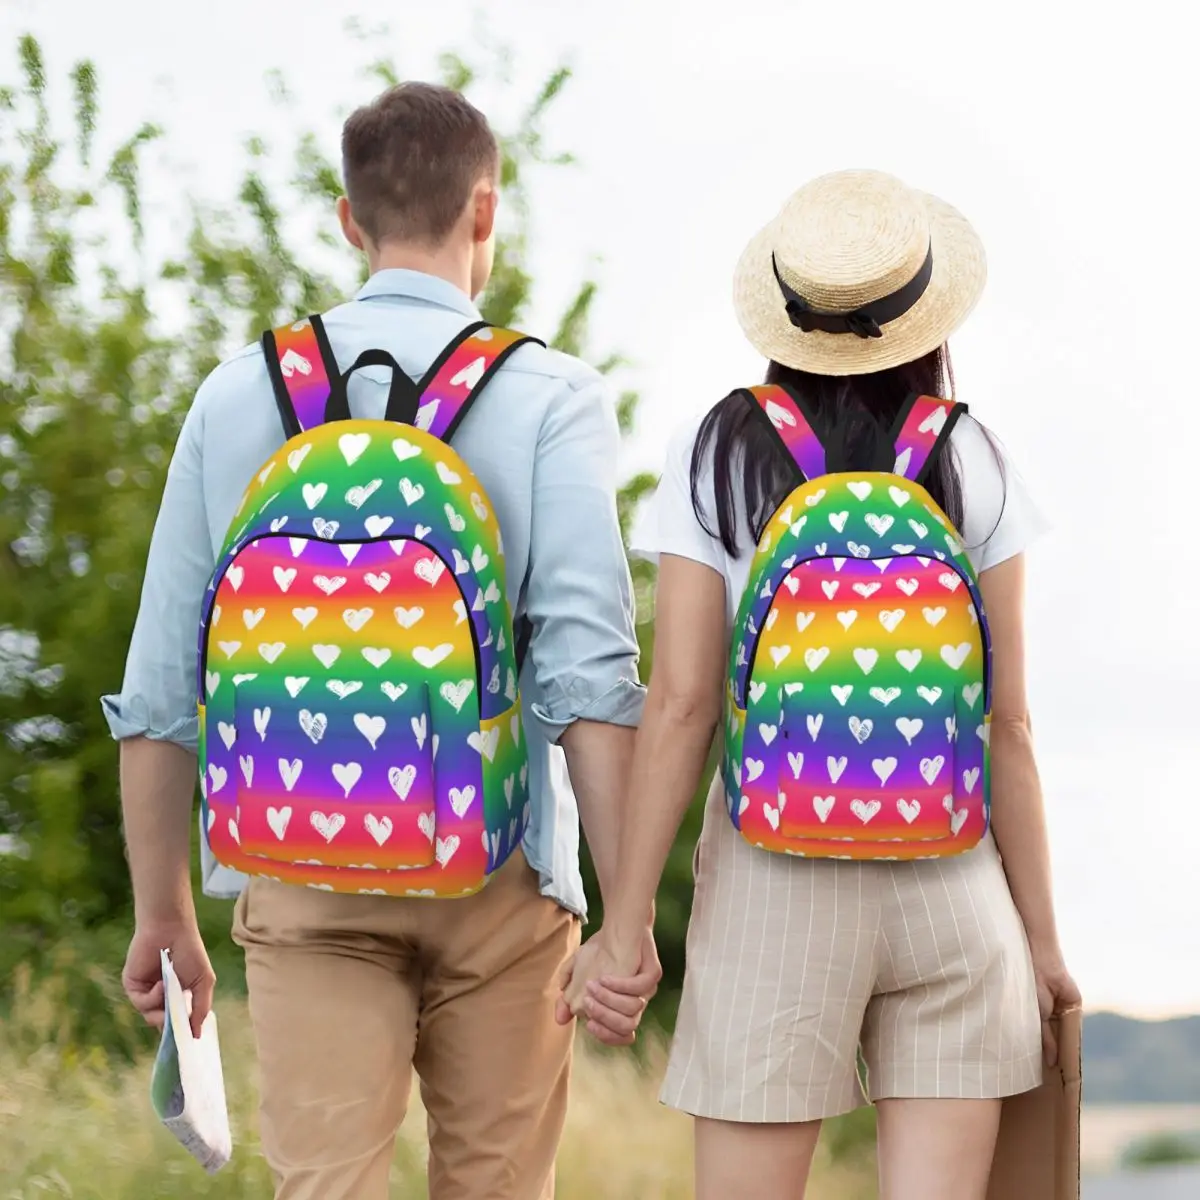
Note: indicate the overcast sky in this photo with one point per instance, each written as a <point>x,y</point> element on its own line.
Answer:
<point>1065,135</point>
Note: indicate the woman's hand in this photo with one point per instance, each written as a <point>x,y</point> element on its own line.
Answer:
<point>610,988</point>
<point>1056,992</point>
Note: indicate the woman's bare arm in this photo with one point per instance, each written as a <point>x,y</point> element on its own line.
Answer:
<point>1018,813</point>
<point>683,708</point>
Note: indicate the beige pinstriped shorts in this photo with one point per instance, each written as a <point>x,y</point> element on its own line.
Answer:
<point>794,964</point>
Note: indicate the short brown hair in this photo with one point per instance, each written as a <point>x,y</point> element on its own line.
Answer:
<point>410,159</point>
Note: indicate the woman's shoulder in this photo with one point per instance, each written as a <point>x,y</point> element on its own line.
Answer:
<point>1000,517</point>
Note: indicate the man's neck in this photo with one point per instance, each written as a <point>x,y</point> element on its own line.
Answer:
<point>447,262</point>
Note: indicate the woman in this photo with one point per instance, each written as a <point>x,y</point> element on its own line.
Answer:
<point>942,970</point>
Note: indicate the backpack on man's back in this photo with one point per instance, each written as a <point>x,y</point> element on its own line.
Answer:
<point>360,720</point>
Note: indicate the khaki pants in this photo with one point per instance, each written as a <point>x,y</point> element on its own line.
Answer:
<point>349,993</point>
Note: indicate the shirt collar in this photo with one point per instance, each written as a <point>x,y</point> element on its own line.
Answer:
<point>416,285</point>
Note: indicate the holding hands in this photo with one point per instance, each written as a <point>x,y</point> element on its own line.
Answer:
<point>608,985</point>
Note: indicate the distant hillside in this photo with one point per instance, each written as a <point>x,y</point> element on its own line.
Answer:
<point>1140,1062</point>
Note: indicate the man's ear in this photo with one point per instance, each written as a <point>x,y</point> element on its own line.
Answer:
<point>350,229</point>
<point>486,200</point>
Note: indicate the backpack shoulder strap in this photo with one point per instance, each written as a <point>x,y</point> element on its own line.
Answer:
<point>301,366</point>
<point>783,414</point>
<point>460,373</point>
<point>922,429</point>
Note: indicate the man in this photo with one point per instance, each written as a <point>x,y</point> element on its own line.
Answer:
<point>349,993</point>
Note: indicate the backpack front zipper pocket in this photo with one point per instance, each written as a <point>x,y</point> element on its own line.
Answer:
<point>864,700</point>
<point>338,687</point>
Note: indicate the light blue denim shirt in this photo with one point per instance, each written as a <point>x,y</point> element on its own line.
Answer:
<point>543,440</point>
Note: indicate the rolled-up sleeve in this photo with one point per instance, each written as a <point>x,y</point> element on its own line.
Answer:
<point>579,596</point>
<point>158,696</point>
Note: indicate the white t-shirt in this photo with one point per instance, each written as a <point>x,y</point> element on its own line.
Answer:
<point>999,518</point>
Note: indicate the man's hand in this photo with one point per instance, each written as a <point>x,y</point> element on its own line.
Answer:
<point>610,990</point>
<point>142,977</point>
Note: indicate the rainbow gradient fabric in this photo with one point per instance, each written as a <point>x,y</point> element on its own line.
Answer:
<point>360,722</point>
<point>858,697</point>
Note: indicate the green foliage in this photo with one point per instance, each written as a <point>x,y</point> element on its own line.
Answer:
<point>93,387</point>
<point>1162,1149</point>
<point>848,1138</point>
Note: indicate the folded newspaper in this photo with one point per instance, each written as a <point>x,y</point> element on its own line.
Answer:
<point>187,1088</point>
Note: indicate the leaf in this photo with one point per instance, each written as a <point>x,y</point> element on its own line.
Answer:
<point>84,79</point>
<point>572,327</point>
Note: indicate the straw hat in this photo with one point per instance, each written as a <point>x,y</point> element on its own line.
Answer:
<point>858,272</point>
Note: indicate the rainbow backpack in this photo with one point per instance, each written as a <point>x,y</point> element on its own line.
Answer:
<point>859,690</point>
<point>360,724</point>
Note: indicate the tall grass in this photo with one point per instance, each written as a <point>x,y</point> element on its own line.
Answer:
<point>76,1124</point>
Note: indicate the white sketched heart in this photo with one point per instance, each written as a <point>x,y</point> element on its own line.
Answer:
<point>313,724</point>
<point>861,729</point>
<point>884,768</point>
<point>380,828</point>
<point>955,656</point>
<point>278,819</point>
<point>377,525</point>
<point>402,779</point>
<point>461,799</point>
<point>327,655</point>
<point>430,656</point>
<point>347,775</point>
<point>357,496</point>
<point>356,618</point>
<point>931,768</point>
<point>327,825</point>
<point>866,658</point>
<point>372,728</point>
<point>867,811</point>
<point>455,694</point>
<point>353,446</point>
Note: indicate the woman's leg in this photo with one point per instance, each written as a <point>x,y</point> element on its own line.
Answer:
<point>953,1027</point>
<point>936,1149</point>
<point>753,1162</point>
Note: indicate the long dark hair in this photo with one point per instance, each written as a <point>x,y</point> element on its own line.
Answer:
<point>854,417</point>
